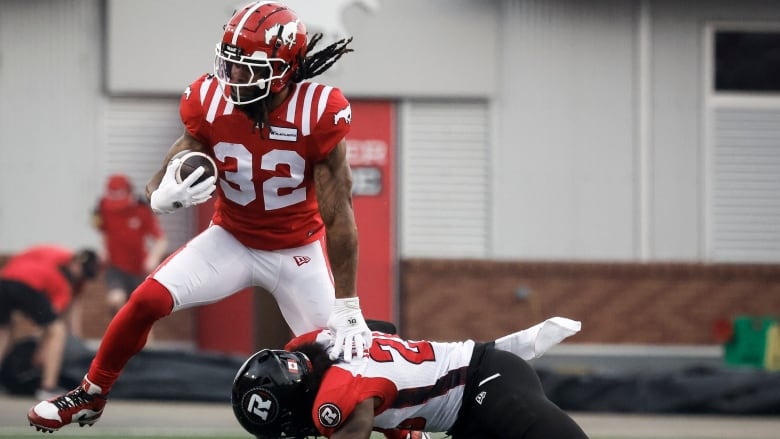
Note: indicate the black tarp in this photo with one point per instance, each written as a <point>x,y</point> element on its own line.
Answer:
<point>200,376</point>
<point>150,374</point>
<point>694,390</point>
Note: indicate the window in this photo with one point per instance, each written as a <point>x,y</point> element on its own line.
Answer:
<point>747,62</point>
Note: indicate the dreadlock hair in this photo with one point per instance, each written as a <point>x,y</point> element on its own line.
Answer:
<point>312,65</point>
<point>308,67</point>
<point>320,362</point>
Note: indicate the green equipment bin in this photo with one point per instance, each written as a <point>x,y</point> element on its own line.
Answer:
<point>748,345</point>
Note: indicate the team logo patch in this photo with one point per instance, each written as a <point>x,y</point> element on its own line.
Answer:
<point>283,134</point>
<point>329,414</point>
<point>345,113</point>
<point>260,406</point>
<point>300,260</point>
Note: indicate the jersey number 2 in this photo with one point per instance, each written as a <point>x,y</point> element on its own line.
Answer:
<point>272,197</point>
<point>415,352</point>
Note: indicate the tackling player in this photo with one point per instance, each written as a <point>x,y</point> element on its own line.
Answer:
<point>283,215</point>
<point>468,389</point>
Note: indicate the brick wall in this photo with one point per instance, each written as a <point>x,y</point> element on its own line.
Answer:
<point>658,303</point>
<point>617,302</point>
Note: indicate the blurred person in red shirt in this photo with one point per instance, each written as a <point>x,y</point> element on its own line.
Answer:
<point>133,241</point>
<point>40,283</point>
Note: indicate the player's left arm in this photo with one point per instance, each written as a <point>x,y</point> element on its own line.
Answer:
<point>333,183</point>
<point>5,340</point>
<point>74,317</point>
<point>359,423</point>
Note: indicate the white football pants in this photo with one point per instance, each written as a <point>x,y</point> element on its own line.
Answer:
<point>215,265</point>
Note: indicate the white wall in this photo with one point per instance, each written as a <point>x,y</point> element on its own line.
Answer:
<point>597,145</point>
<point>49,106</point>
<point>402,47</point>
<point>566,155</point>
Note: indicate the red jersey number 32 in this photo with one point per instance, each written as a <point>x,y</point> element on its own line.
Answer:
<point>242,176</point>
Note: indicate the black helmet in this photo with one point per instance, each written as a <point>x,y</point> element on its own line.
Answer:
<point>271,398</point>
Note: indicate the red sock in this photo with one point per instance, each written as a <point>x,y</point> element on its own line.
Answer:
<point>126,334</point>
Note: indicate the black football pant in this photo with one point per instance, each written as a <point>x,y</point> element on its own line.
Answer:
<point>504,399</point>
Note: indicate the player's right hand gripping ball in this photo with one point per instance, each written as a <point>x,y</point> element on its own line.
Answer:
<point>192,160</point>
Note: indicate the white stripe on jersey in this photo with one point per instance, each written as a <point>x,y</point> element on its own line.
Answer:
<point>306,112</point>
<point>215,99</point>
<point>293,105</point>
<point>204,88</point>
<point>307,101</point>
<point>323,101</point>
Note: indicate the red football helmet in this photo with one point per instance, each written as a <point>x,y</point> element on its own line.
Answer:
<point>260,50</point>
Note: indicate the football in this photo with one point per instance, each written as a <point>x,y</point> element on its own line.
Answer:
<point>192,160</point>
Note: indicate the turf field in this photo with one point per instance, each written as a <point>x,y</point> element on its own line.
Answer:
<point>175,420</point>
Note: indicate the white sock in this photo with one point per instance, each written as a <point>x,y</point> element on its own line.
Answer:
<point>533,342</point>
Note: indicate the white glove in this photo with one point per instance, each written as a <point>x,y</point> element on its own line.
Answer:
<point>349,329</point>
<point>170,195</point>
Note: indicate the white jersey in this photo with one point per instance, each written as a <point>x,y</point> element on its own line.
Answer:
<point>420,384</point>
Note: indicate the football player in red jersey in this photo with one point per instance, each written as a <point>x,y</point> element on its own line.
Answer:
<point>283,215</point>
<point>41,283</point>
<point>468,389</point>
<point>133,240</point>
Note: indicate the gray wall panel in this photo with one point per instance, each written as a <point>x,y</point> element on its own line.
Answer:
<point>565,153</point>
<point>445,179</point>
<point>49,83</point>
<point>402,47</point>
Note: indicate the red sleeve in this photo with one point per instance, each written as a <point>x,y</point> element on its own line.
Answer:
<point>340,392</point>
<point>333,126</point>
<point>335,400</point>
<point>192,111</point>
